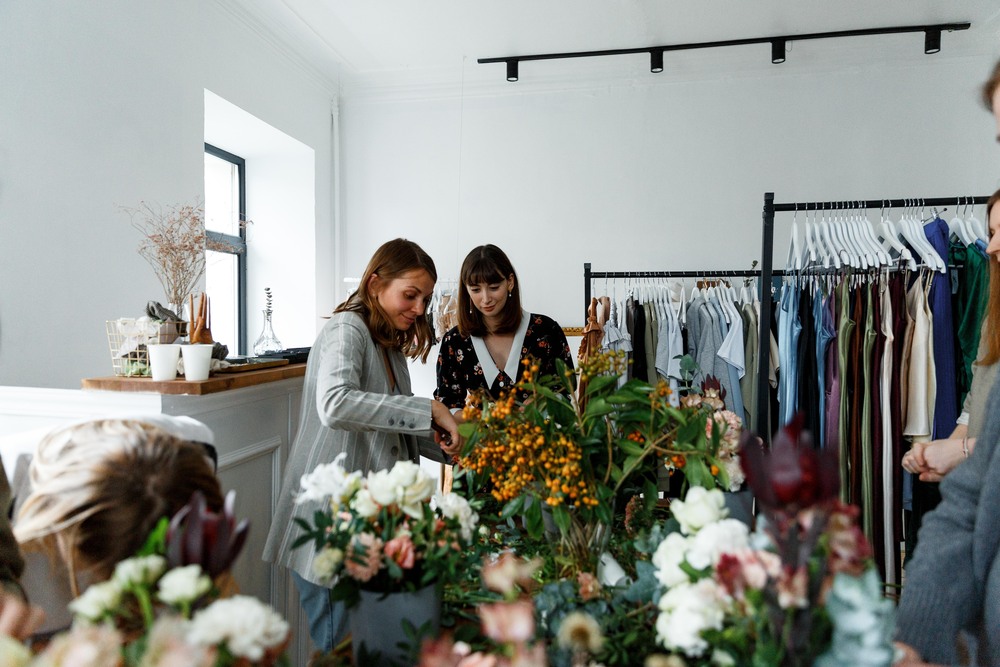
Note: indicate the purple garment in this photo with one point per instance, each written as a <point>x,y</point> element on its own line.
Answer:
<point>831,441</point>
<point>946,404</point>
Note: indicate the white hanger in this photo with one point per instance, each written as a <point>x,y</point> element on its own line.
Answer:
<point>832,245</point>
<point>959,228</point>
<point>868,233</point>
<point>845,245</point>
<point>913,232</point>
<point>890,241</point>
<point>794,259</point>
<point>979,227</point>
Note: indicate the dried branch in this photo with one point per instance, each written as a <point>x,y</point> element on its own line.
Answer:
<point>173,243</point>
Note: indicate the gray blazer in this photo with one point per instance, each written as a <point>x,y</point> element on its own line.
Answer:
<point>347,406</point>
<point>953,581</point>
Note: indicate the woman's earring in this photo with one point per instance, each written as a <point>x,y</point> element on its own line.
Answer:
<point>508,294</point>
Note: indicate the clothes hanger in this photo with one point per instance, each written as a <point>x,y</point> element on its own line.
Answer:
<point>927,252</point>
<point>979,226</point>
<point>890,240</point>
<point>867,234</point>
<point>794,258</point>
<point>825,229</point>
<point>851,234</point>
<point>923,220</point>
<point>850,253</point>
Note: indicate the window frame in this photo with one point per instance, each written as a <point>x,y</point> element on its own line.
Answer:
<point>237,245</point>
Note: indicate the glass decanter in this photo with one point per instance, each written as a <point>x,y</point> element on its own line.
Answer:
<point>267,343</point>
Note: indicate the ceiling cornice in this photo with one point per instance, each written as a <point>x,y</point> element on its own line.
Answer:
<point>283,43</point>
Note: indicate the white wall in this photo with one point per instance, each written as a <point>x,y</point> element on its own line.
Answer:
<point>651,177</point>
<point>102,106</point>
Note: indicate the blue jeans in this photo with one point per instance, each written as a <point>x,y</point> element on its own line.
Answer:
<point>327,619</point>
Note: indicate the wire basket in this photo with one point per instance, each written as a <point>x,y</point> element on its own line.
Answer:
<point>128,338</point>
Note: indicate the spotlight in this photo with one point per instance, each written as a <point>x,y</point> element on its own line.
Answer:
<point>512,70</point>
<point>777,51</point>
<point>655,61</point>
<point>932,41</point>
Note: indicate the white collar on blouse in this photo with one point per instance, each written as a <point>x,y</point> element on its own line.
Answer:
<point>490,370</point>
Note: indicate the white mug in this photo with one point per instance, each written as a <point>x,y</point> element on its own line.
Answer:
<point>197,361</point>
<point>163,361</point>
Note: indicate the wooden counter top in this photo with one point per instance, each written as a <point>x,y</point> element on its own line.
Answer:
<point>214,384</point>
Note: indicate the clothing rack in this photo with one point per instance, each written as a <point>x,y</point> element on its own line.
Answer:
<point>589,275</point>
<point>767,254</point>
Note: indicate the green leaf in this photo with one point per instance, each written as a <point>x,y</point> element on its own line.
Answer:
<point>633,449</point>
<point>650,494</point>
<point>156,543</point>
<point>562,519</point>
<point>533,515</point>
<point>600,383</point>
<point>512,507</point>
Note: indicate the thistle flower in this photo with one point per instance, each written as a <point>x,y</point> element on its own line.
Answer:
<point>580,632</point>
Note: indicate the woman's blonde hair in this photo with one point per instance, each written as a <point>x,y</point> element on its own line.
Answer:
<point>392,260</point>
<point>991,331</point>
<point>99,488</point>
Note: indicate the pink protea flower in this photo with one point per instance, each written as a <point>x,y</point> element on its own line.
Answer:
<point>364,557</point>
<point>401,550</point>
<point>508,621</point>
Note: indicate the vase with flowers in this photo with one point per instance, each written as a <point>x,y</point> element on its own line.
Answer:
<point>580,455</point>
<point>379,536</point>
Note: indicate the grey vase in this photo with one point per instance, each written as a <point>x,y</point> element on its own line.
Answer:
<point>376,624</point>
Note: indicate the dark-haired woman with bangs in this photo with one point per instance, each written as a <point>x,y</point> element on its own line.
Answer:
<point>494,335</point>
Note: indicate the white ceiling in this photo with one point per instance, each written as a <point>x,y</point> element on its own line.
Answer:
<point>362,43</point>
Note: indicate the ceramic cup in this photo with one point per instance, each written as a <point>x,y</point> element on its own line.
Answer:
<point>163,361</point>
<point>197,361</point>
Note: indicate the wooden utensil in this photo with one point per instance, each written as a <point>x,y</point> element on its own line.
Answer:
<point>201,327</point>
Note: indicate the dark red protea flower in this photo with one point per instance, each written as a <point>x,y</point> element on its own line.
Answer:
<point>199,536</point>
<point>794,475</point>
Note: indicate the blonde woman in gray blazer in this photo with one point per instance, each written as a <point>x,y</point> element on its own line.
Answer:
<point>357,400</point>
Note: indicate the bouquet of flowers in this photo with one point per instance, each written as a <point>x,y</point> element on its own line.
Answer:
<point>802,590</point>
<point>570,456</point>
<point>383,532</point>
<point>162,606</point>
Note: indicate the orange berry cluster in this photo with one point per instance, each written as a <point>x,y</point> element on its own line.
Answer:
<point>563,475</point>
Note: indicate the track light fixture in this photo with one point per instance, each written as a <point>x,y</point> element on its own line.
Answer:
<point>656,61</point>
<point>512,70</point>
<point>932,44</point>
<point>932,41</point>
<point>777,51</point>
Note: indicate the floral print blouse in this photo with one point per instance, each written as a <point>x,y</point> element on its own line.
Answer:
<point>460,371</point>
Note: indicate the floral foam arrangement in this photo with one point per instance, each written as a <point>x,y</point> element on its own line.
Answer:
<point>383,532</point>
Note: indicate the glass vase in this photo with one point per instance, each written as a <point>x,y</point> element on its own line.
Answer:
<point>267,342</point>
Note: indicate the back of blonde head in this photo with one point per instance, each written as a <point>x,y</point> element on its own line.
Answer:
<point>99,488</point>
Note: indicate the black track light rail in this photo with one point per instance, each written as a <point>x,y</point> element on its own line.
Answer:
<point>931,31</point>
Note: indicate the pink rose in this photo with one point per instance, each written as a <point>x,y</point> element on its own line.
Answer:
<point>508,621</point>
<point>401,550</point>
<point>590,587</point>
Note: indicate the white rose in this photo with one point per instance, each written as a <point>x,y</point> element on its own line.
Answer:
<point>668,557</point>
<point>454,506</point>
<point>329,480</point>
<point>327,563</point>
<point>734,471</point>
<point>184,585</point>
<point>417,493</point>
<point>715,539</point>
<point>721,658</point>
<point>244,625</point>
<point>382,487</point>
<point>364,505</point>
<point>688,610</point>
<point>699,508</point>
<point>139,570</point>
<point>97,601</point>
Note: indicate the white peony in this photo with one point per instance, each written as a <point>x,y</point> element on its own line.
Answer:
<point>363,504</point>
<point>244,625</point>
<point>184,585</point>
<point>329,480</point>
<point>715,539</point>
<point>97,601</point>
<point>326,564</point>
<point>454,506</point>
<point>699,508</point>
<point>668,558</point>
<point>382,487</point>
<point>405,485</point>
<point>140,570</point>
<point>686,611</point>
<point>734,470</point>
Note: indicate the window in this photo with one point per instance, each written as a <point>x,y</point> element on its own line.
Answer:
<point>226,257</point>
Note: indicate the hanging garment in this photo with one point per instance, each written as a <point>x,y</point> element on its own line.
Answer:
<point>875,428</point>
<point>939,302</point>
<point>886,384</point>
<point>823,323</point>
<point>730,355</point>
<point>808,387</point>
<point>970,305</point>
<point>709,341</point>
<point>921,388</point>
<point>897,297</point>
<point>638,341</point>
<point>867,460</point>
<point>845,330</point>
<point>789,328</point>
<point>748,384</point>
<point>856,396</point>
<point>652,334</point>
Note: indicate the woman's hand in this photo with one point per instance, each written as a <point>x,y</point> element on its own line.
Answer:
<point>913,460</point>
<point>941,457</point>
<point>446,429</point>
